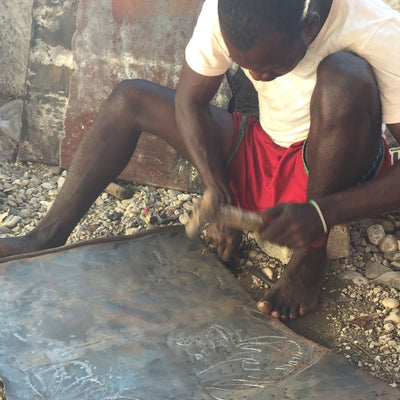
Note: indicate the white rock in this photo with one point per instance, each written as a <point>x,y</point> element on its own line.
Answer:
<point>60,182</point>
<point>268,272</point>
<point>184,219</point>
<point>388,243</point>
<point>355,277</point>
<point>282,253</point>
<point>389,327</point>
<point>390,303</point>
<point>393,317</point>
<point>375,234</point>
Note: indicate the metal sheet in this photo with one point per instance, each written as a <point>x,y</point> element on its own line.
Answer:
<point>153,318</point>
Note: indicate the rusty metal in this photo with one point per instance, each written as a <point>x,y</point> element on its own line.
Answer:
<point>150,318</point>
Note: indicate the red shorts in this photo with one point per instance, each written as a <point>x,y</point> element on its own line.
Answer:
<point>262,174</point>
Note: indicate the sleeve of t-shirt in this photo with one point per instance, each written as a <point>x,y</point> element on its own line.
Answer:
<point>382,52</point>
<point>206,52</point>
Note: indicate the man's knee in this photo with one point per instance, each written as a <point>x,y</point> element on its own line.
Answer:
<point>128,94</point>
<point>346,83</point>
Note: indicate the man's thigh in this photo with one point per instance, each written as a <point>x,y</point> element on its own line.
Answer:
<point>151,107</point>
<point>345,131</point>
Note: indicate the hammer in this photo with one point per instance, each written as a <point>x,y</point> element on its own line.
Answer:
<point>230,216</point>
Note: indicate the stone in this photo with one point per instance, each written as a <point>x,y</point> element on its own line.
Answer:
<point>339,242</point>
<point>117,191</point>
<point>282,253</point>
<point>391,279</point>
<point>4,230</point>
<point>388,226</point>
<point>47,185</point>
<point>375,234</point>
<point>375,269</point>
<point>268,273</point>
<point>12,221</point>
<point>388,327</point>
<point>389,302</point>
<point>388,244</point>
<point>395,264</point>
<point>393,317</point>
<point>355,277</point>
<point>392,256</point>
<point>184,219</point>
<point>25,213</point>
<point>60,182</point>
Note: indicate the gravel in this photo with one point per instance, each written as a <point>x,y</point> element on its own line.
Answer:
<point>359,314</point>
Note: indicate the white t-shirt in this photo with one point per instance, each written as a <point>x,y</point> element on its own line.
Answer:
<point>369,28</point>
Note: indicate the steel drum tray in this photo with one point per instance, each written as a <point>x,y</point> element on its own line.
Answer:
<point>152,318</point>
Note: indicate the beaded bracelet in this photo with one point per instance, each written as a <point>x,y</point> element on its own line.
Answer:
<point>321,216</point>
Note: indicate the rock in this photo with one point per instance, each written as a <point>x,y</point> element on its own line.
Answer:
<point>25,213</point>
<point>339,242</point>
<point>388,244</point>
<point>375,269</point>
<point>395,264</point>
<point>268,272</point>
<point>391,279</point>
<point>117,191</point>
<point>282,253</point>
<point>375,234</point>
<point>390,303</point>
<point>392,255</point>
<point>4,229</point>
<point>355,277</point>
<point>393,317</point>
<point>388,226</point>
<point>12,221</point>
<point>60,182</point>
<point>47,185</point>
<point>389,327</point>
<point>184,219</point>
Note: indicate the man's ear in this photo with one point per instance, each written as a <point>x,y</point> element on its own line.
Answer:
<point>311,27</point>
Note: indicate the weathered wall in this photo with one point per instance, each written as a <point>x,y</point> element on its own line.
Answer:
<point>49,73</point>
<point>15,34</point>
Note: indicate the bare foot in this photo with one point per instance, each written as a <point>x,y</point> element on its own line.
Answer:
<point>225,239</point>
<point>18,245</point>
<point>296,292</point>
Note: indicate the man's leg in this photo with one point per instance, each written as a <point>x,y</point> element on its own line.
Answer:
<point>133,106</point>
<point>343,143</point>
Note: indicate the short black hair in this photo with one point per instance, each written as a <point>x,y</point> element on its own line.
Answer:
<point>244,22</point>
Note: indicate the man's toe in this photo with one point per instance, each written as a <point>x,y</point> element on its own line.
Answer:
<point>265,307</point>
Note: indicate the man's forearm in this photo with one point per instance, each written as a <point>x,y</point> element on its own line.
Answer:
<point>203,142</point>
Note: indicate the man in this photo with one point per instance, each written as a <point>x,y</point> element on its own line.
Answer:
<point>326,71</point>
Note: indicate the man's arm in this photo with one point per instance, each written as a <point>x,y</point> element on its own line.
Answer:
<point>199,131</point>
<point>298,225</point>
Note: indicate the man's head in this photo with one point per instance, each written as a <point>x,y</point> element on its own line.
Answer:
<point>268,37</point>
<point>244,22</point>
